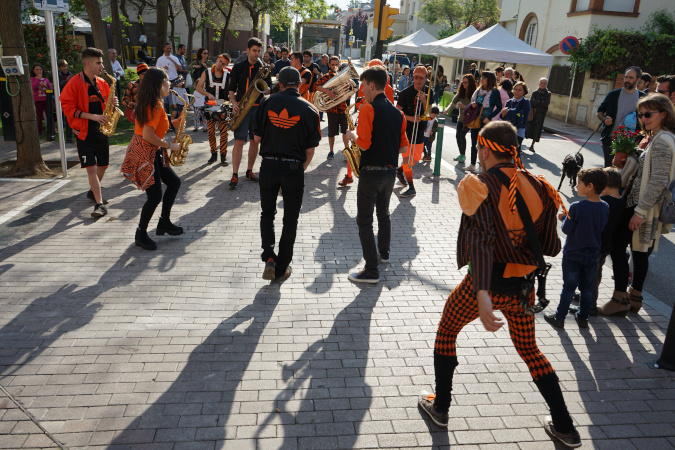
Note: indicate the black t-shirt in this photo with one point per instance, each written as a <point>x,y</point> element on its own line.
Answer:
<point>288,125</point>
<point>242,73</point>
<point>616,207</point>
<point>95,107</point>
<point>313,66</point>
<point>408,103</point>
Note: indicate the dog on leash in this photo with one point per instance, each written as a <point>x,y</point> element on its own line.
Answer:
<point>571,166</point>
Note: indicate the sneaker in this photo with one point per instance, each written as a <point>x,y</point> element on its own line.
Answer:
<point>268,273</point>
<point>345,181</point>
<point>572,440</point>
<point>363,277</point>
<point>99,211</point>
<point>195,129</point>
<point>214,158</point>
<point>583,323</point>
<point>250,176</point>
<point>553,320</point>
<point>384,258</point>
<point>460,158</point>
<point>204,130</point>
<point>285,276</point>
<point>90,196</point>
<point>330,155</point>
<point>592,312</point>
<point>426,158</point>
<point>234,181</point>
<point>223,161</point>
<point>471,168</point>
<point>408,193</point>
<point>401,178</point>
<point>426,402</point>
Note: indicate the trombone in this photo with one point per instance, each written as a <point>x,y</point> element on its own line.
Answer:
<point>423,116</point>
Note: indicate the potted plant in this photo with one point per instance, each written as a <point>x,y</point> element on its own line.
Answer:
<point>623,144</point>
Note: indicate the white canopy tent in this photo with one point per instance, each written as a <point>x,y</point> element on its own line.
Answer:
<point>78,24</point>
<point>412,43</point>
<point>437,47</point>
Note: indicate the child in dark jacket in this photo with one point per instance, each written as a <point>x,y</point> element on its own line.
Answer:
<point>430,133</point>
<point>583,227</point>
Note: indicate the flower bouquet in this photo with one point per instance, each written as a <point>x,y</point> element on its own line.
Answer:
<point>623,144</point>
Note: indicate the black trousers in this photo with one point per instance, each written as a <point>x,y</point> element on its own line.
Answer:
<point>290,178</point>
<point>607,150</point>
<point>164,175</point>
<point>622,239</point>
<point>375,188</point>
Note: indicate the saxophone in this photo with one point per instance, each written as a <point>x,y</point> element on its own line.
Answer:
<point>352,151</point>
<point>256,87</point>
<point>178,158</point>
<point>112,112</point>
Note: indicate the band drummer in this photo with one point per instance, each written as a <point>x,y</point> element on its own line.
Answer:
<point>241,76</point>
<point>412,101</point>
<point>213,85</point>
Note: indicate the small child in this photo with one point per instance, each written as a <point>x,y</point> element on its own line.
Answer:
<point>430,133</point>
<point>584,226</point>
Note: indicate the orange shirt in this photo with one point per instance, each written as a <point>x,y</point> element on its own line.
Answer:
<point>158,121</point>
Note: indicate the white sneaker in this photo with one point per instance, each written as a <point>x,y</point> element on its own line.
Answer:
<point>471,168</point>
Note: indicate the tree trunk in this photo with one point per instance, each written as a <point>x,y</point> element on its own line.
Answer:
<point>162,21</point>
<point>172,21</point>
<point>117,32</point>
<point>255,18</point>
<point>97,30</point>
<point>28,155</point>
<point>191,23</point>
<point>127,31</point>
<point>228,17</point>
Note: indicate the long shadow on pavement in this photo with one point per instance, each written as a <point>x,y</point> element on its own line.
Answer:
<point>328,380</point>
<point>199,403</point>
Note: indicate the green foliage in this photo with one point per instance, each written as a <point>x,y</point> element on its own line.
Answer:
<point>608,52</point>
<point>660,22</point>
<point>37,48</point>
<point>460,13</point>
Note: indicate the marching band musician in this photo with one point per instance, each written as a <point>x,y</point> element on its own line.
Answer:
<point>305,74</point>
<point>412,102</point>
<point>381,135</point>
<point>337,120</point>
<point>129,100</point>
<point>240,77</point>
<point>213,85</point>
<point>388,92</point>
<point>83,101</point>
<point>146,162</point>
<point>288,129</point>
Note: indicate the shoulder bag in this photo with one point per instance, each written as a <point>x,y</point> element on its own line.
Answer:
<point>472,116</point>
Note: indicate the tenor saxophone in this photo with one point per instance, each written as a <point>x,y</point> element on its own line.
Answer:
<point>256,87</point>
<point>111,112</point>
<point>178,157</point>
<point>352,151</point>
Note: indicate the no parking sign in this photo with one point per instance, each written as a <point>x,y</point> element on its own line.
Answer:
<point>569,45</point>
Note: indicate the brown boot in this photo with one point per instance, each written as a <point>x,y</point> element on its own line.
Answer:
<point>617,306</point>
<point>635,300</point>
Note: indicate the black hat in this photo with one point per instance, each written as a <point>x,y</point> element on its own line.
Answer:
<point>289,76</point>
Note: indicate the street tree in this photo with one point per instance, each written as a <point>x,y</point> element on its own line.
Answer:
<point>460,13</point>
<point>100,41</point>
<point>28,155</point>
<point>162,22</point>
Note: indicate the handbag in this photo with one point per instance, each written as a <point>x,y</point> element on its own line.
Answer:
<point>472,116</point>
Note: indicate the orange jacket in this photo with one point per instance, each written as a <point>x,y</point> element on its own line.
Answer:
<point>75,100</point>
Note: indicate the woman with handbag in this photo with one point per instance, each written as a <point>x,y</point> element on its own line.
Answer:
<point>461,100</point>
<point>643,220</point>
<point>489,101</point>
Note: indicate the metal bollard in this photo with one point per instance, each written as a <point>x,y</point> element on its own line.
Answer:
<point>667,359</point>
<point>49,112</point>
<point>439,146</point>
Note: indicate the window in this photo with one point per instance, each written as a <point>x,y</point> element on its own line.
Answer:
<point>531,33</point>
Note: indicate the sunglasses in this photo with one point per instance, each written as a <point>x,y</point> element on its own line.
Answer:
<point>647,114</point>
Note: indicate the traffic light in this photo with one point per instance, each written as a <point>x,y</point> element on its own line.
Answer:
<point>387,21</point>
<point>376,17</point>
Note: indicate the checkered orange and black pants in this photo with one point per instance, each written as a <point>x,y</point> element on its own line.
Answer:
<point>211,130</point>
<point>462,308</point>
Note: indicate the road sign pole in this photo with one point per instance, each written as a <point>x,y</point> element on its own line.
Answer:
<point>51,39</point>
<point>439,146</point>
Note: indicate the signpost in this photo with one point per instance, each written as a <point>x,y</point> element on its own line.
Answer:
<point>49,7</point>
<point>569,45</point>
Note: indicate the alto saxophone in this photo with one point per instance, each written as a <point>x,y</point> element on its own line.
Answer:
<point>256,87</point>
<point>178,157</point>
<point>111,112</point>
<point>352,151</point>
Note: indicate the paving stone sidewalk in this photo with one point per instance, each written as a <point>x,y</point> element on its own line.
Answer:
<point>107,345</point>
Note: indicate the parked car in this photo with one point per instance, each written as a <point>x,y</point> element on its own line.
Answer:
<point>401,61</point>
